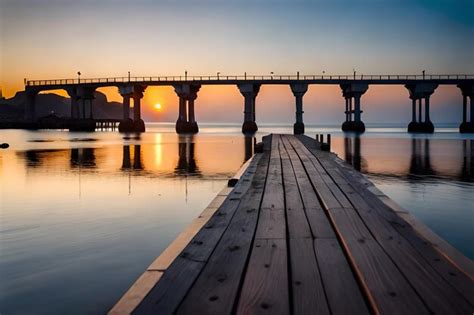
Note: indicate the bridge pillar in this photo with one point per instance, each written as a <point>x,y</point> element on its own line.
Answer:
<point>421,91</point>
<point>137,95</point>
<point>353,91</point>
<point>84,95</point>
<point>187,94</point>
<point>126,125</point>
<point>467,92</point>
<point>298,89</point>
<point>72,92</point>
<point>249,92</point>
<point>30,105</point>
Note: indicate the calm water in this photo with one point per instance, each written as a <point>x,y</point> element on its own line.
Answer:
<point>84,214</point>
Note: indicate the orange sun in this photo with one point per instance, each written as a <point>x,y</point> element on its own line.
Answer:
<point>158,106</point>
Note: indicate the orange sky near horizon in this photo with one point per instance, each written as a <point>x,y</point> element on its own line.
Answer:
<point>52,39</point>
<point>322,103</point>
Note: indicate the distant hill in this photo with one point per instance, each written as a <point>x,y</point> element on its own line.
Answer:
<point>13,108</point>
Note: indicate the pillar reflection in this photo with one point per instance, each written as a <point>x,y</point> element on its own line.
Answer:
<point>467,170</point>
<point>187,164</point>
<point>84,157</point>
<point>420,162</point>
<point>352,153</point>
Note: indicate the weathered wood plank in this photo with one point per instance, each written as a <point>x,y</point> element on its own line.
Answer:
<point>307,289</point>
<point>175,282</point>
<point>265,288</point>
<point>274,194</point>
<point>338,277</point>
<point>318,221</point>
<point>329,200</point>
<point>431,287</point>
<point>271,224</point>
<point>298,226</point>
<point>216,288</point>
<point>374,268</point>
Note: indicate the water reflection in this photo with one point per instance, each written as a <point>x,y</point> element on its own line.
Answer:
<point>410,158</point>
<point>187,164</point>
<point>137,157</point>
<point>467,170</point>
<point>420,162</point>
<point>352,153</point>
<point>84,158</point>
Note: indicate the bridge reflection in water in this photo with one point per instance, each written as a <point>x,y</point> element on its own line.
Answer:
<point>383,157</point>
<point>455,162</point>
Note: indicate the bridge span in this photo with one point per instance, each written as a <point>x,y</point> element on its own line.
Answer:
<point>353,87</point>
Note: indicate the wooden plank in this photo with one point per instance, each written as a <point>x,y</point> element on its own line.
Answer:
<point>325,195</point>
<point>306,285</point>
<point>298,226</point>
<point>274,194</point>
<point>272,219</point>
<point>439,296</point>
<point>348,223</point>
<point>168,293</point>
<point>462,282</point>
<point>388,291</point>
<point>338,277</point>
<point>135,294</point>
<point>374,268</point>
<point>271,224</point>
<point>265,288</point>
<point>172,287</point>
<point>318,221</point>
<point>216,288</point>
<point>432,288</point>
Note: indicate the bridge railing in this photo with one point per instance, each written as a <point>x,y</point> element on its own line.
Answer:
<point>249,77</point>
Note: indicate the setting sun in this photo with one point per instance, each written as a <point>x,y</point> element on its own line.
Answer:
<point>158,106</point>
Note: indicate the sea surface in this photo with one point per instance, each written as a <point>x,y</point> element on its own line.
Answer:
<point>82,215</point>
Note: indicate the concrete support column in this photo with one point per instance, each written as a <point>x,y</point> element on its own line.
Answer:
<point>249,92</point>
<point>137,115</point>
<point>187,94</point>
<point>420,91</point>
<point>126,125</point>
<point>464,109</point>
<point>91,107</point>
<point>86,93</point>
<point>30,106</point>
<point>427,109</point>
<point>351,109</point>
<point>357,110</point>
<point>467,90</point>
<point>471,109</point>
<point>191,116</point>
<point>137,95</point>
<point>83,100</point>
<point>347,109</point>
<point>298,89</point>
<point>126,107</point>
<point>419,110</point>
<point>353,119</point>
<point>182,115</point>
<point>72,92</point>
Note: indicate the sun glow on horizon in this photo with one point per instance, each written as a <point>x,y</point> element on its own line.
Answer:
<point>158,106</point>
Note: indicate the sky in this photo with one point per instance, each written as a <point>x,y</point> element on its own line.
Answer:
<point>47,39</point>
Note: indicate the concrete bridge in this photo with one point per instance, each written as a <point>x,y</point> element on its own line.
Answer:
<point>353,87</point>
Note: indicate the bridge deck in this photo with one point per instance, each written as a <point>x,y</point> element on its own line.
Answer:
<point>301,233</point>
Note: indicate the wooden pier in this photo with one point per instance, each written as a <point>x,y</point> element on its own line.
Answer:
<point>303,233</point>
